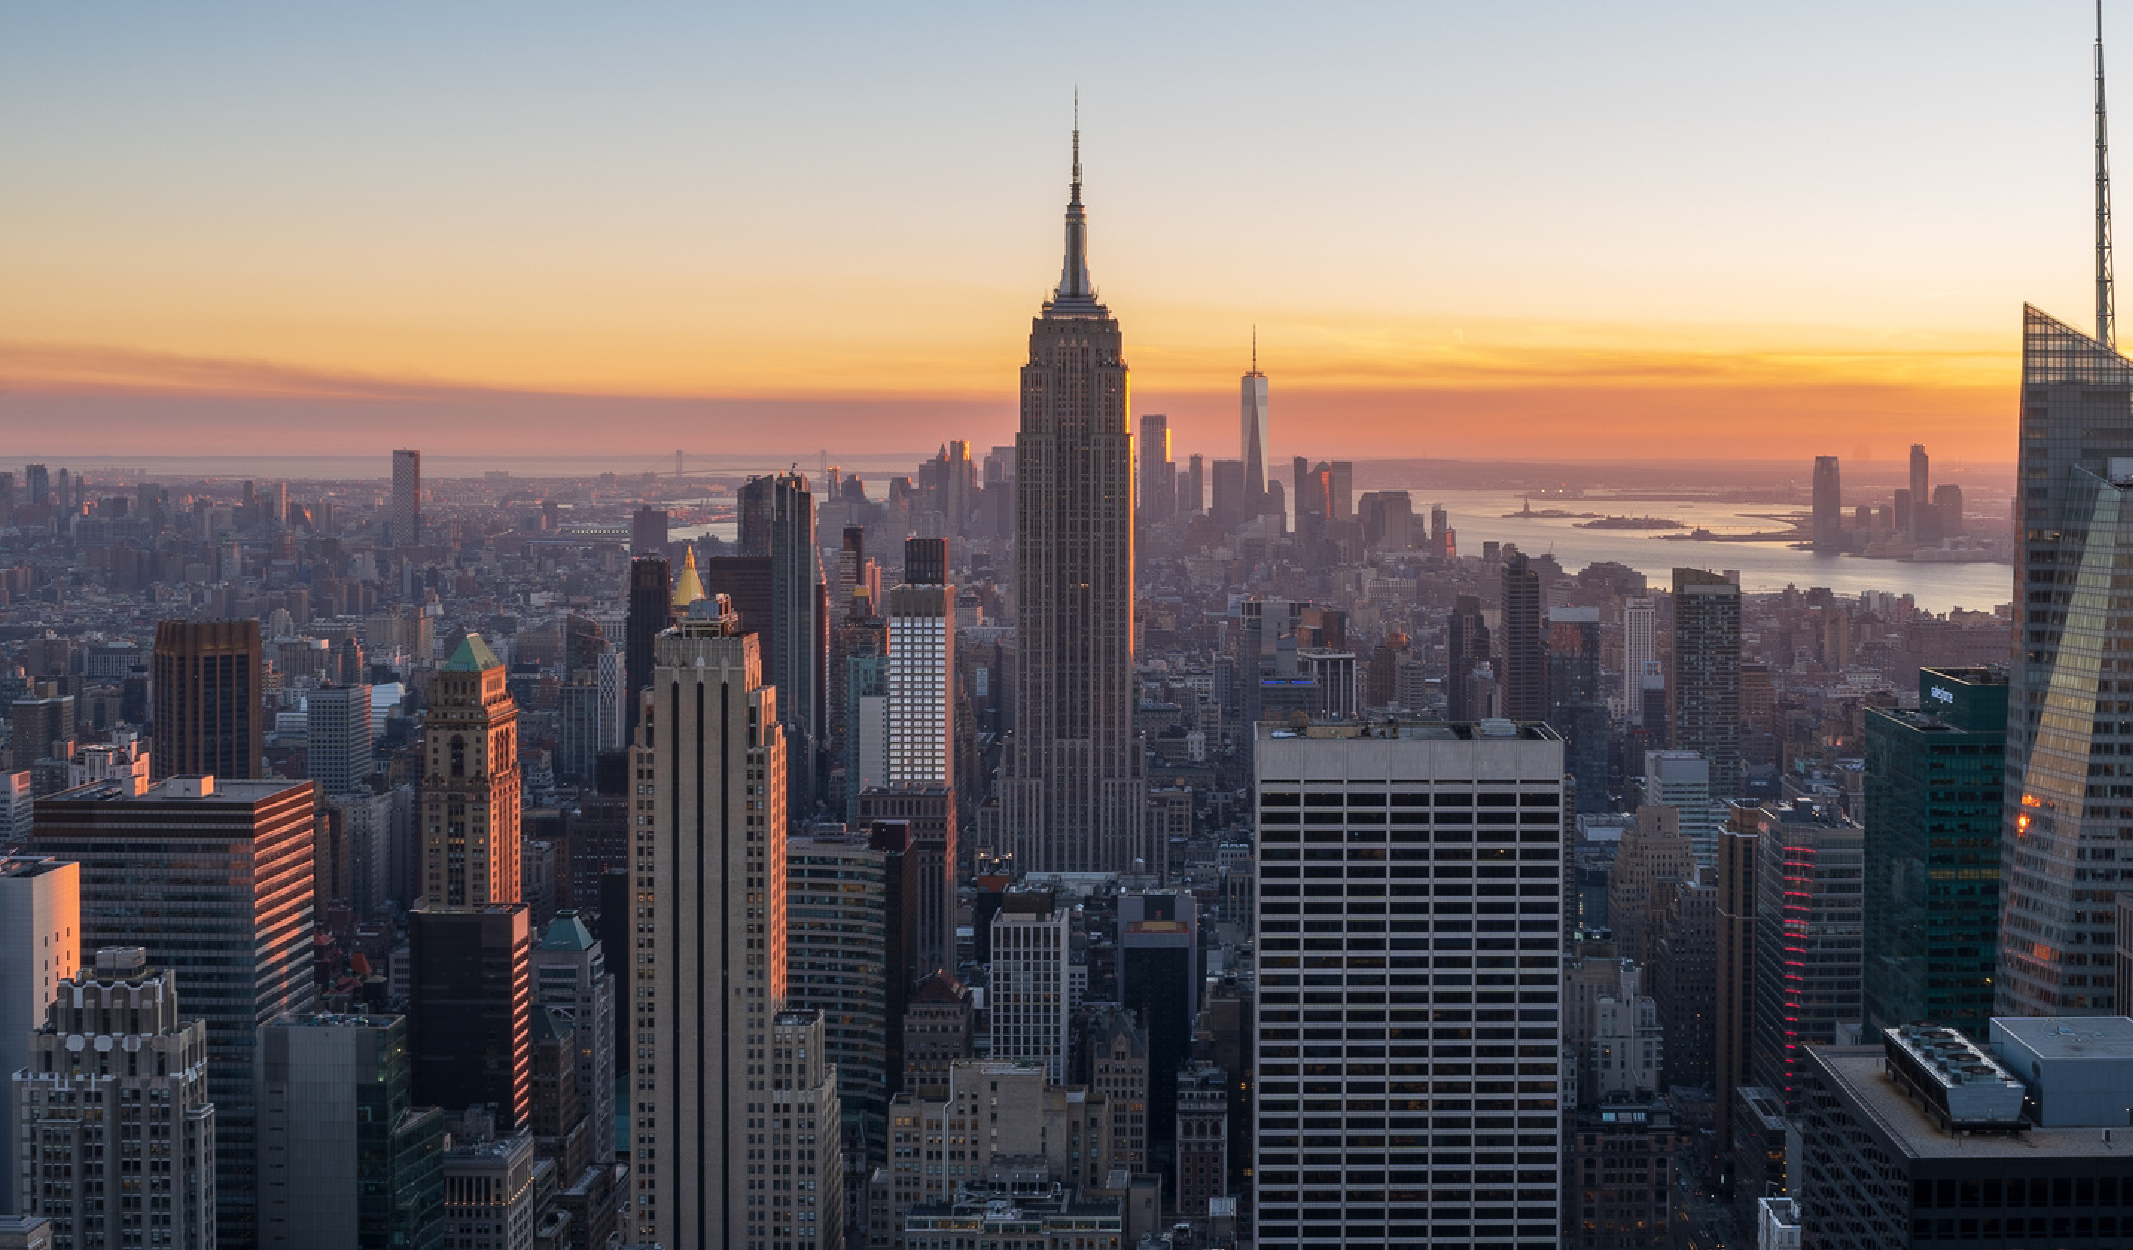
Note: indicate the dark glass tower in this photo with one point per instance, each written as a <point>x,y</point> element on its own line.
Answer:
<point>1933,781</point>
<point>2068,800</point>
<point>1704,690</point>
<point>1074,790</point>
<point>1525,652</point>
<point>651,610</point>
<point>207,684</point>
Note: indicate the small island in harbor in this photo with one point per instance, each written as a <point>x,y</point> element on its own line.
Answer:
<point>1632,523</point>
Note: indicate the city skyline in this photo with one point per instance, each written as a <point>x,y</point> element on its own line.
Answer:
<point>1776,266</point>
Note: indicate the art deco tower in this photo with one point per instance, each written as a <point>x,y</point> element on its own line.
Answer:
<point>1073,794</point>
<point>470,783</point>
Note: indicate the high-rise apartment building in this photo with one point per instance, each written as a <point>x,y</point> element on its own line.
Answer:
<point>116,1123</point>
<point>1448,845</point>
<point>708,969</point>
<point>1733,1026</point>
<point>337,744</point>
<point>1933,782</point>
<point>2067,805</point>
<point>407,499</point>
<point>1524,641</point>
<point>1828,525</point>
<point>1640,654</point>
<point>470,782</point>
<point>1030,1003</point>
<point>921,685</point>
<point>347,1161</point>
<point>1159,474</point>
<point>1074,789</point>
<point>214,878</point>
<point>1703,690</point>
<point>40,928</point>
<point>207,681</point>
<point>470,1008</point>
<point>1809,938</point>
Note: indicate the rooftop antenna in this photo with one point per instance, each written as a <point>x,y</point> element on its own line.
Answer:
<point>2105,313</point>
<point>1255,349</point>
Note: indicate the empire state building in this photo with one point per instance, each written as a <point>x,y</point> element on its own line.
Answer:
<point>1074,791</point>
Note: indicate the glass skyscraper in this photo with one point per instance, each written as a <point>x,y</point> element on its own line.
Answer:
<point>2069,799</point>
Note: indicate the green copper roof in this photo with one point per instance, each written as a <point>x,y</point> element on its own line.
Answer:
<point>567,933</point>
<point>472,657</point>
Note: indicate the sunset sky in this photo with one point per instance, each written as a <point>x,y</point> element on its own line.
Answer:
<point>1534,231</point>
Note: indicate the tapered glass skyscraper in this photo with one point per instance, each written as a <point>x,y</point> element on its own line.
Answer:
<point>1073,795</point>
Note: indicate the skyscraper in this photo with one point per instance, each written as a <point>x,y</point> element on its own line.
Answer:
<point>1809,938</point>
<point>1525,645</point>
<point>708,973</point>
<point>1258,447</point>
<point>796,638</point>
<point>470,782</point>
<point>1640,654</point>
<point>571,982</point>
<point>1074,790</point>
<point>214,878</point>
<point>470,1008</point>
<point>113,1045</point>
<point>1703,691</point>
<point>1933,795</point>
<point>1159,484</point>
<point>1921,477</point>
<point>337,746</point>
<point>2076,521</point>
<point>1436,806</point>
<point>40,928</point>
<point>208,683</point>
<point>1828,529</point>
<point>1029,998</point>
<point>407,499</point>
<point>650,611</point>
<point>921,685</point>
<point>1192,488</point>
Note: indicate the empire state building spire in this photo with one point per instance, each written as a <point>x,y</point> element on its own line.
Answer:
<point>1076,294</point>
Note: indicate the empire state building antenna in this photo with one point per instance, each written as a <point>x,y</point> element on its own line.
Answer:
<point>2106,314</point>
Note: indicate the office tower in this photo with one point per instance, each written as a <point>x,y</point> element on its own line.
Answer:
<point>238,856</point>
<point>1640,652</point>
<point>1192,488</point>
<point>1116,1051</point>
<point>1257,456</point>
<point>470,782</point>
<point>470,1007</point>
<point>1158,973</point>
<point>40,928</point>
<point>2074,516</point>
<point>1948,506</point>
<point>1828,527</point>
<point>1922,1141</point>
<point>406,518</point>
<point>648,531</point>
<point>1682,780</point>
<point>1388,518</point>
<point>1439,808</point>
<point>208,684</point>
<point>1920,478</point>
<point>805,1208</point>
<point>929,812</point>
<point>1341,493</point>
<point>40,727</point>
<point>1028,1000</point>
<point>925,561</point>
<point>18,803</point>
<point>1577,705</point>
<point>571,982</point>
<point>650,611</point>
<point>1313,499</point>
<point>1525,646</point>
<point>1654,857</point>
<point>494,1185</point>
<point>1201,1131</point>
<point>1230,506</point>
<point>1703,688</point>
<point>346,1159</point>
<point>337,748</point>
<point>940,1027</point>
<point>795,639</point>
<point>1684,979</point>
<point>1159,474</point>
<point>105,1174</point>
<point>848,905</point>
<point>709,965</point>
<point>1620,1175</point>
<point>921,685</point>
<point>1808,938</point>
<point>1733,1028</point>
<point>1072,796</point>
<point>1467,649</point>
<point>1933,782</point>
<point>37,480</point>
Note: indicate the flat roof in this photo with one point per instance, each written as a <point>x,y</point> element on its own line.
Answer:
<point>1861,1075</point>
<point>2069,1037</point>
